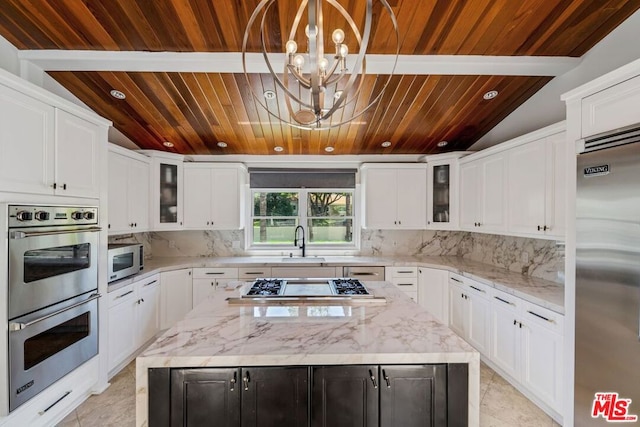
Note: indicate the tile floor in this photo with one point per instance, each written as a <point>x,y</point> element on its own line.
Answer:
<point>501,405</point>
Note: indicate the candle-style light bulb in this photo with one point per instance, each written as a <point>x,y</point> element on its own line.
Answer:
<point>291,47</point>
<point>344,50</point>
<point>298,61</point>
<point>323,64</point>
<point>337,36</point>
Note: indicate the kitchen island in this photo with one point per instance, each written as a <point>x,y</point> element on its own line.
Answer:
<point>374,338</point>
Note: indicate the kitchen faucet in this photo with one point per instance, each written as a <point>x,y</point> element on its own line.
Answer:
<point>295,239</point>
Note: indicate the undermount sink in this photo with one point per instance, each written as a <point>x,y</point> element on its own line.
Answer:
<point>308,259</point>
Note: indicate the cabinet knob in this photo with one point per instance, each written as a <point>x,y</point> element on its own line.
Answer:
<point>64,186</point>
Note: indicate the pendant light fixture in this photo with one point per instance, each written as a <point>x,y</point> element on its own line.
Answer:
<point>317,89</point>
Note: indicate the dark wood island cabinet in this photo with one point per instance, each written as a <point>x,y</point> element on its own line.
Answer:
<point>310,396</point>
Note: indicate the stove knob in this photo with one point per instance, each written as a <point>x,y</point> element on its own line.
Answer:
<point>24,216</point>
<point>89,215</point>
<point>76,215</point>
<point>42,216</point>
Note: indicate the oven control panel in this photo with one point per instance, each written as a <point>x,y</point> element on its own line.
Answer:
<point>39,216</point>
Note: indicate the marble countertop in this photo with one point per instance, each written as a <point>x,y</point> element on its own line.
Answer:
<point>537,291</point>
<point>215,333</point>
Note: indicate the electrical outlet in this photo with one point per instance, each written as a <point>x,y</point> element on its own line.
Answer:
<point>172,244</point>
<point>525,257</point>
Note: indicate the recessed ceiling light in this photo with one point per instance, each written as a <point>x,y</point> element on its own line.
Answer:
<point>386,144</point>
<point>442,144</point>
<point>269,94</point>
<point>222,144</point>
<point>328,149</point>
<point>278,148</point>
<point>490,95</point>
<point>168,144</point>
<point>117,94</point>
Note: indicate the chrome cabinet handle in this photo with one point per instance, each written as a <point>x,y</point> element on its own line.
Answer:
<point>14,327</point>
<point>373,379</point>
<point>252,273</point>
<point>456,280</point>
<point>124,295</point>
<point>233,381</point>
<point>246,380</point>
<point>54,403</point>
<point>503,300</point>
<point>386,378</point>
<point>477,289</point>
<point>151,282</point>
<point>541,317</point>
<point>213,273</point>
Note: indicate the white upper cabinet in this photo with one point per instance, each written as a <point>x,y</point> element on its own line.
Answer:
<point>536,188</point>
<point>213,196</point>
<point>26,142</point>
<point>612,108</point>
<point>482,194</point>
<point>394,196</point>
<point>442,192</point>
<point>128,191</point>
<point>46,150</point>
<point>76,161</point>
<point>167,191</point>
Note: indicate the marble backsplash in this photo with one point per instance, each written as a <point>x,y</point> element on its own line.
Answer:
<point>531,257</point>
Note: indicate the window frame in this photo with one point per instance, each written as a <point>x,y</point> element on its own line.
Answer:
<point>302,218</point>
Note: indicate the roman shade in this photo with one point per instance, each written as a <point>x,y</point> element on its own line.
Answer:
<point>302,178</point>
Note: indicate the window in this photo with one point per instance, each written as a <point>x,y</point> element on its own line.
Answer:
<point>326,215</point>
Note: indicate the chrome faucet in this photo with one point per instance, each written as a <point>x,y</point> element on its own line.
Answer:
<point>295,239</point>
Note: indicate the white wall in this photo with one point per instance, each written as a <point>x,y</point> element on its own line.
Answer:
<point>544,108</point>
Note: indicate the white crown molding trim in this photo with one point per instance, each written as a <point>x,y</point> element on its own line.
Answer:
<point>231,62</point>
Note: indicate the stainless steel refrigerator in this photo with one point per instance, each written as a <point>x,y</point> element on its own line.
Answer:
<point>607,346</point>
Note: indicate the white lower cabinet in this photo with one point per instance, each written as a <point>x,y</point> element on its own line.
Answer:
<point>132,319</point>
<point>469,311</point>
<point>207,281</point>
<point>526,345</point>
<point>405,278</point>
<point>433,292</point>
<point>176,298</point>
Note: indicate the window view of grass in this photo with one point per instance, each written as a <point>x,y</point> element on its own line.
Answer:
<point>327,217</point>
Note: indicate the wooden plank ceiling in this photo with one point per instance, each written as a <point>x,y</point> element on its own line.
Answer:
<point>195,111</point>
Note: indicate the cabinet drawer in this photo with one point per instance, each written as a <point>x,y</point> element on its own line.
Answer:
<point>219,273</point>
<point>406,285</point>
<point>302,272</point>
<point>149,281</point>
<point>121,295</point>
<point>477,288</point>
<point>505,300</point>
<point>401,272</point>
<point>543,317</point>
<point>254,272</point>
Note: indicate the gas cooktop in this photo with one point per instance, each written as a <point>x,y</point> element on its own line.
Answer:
<point>337,287</point>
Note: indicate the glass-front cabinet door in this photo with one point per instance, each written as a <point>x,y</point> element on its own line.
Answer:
<point>167,193</point>
<point>442,195</point>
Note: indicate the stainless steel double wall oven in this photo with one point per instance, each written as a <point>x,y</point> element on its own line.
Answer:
<point>53,291</point>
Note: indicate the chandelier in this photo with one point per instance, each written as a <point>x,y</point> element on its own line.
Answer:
<point>320,90</point>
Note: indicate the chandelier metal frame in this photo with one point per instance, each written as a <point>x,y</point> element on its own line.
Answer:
<point>312,113</point>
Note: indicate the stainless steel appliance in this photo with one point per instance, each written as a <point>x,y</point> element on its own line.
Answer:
<point>124,259</point>
<point>53,283</point>
<point>341,291</point>
<point>607,347</point>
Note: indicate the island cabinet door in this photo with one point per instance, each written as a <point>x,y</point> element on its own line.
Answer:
<point>345,396</point>
<point>208,396</point>
<point>275,397</point>
<point>413,396</point>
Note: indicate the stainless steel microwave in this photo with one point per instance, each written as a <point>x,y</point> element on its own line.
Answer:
<point>125,259</point>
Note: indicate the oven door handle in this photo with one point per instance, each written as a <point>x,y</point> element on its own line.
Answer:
<point>24,234</point>
<point>14,327</point>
